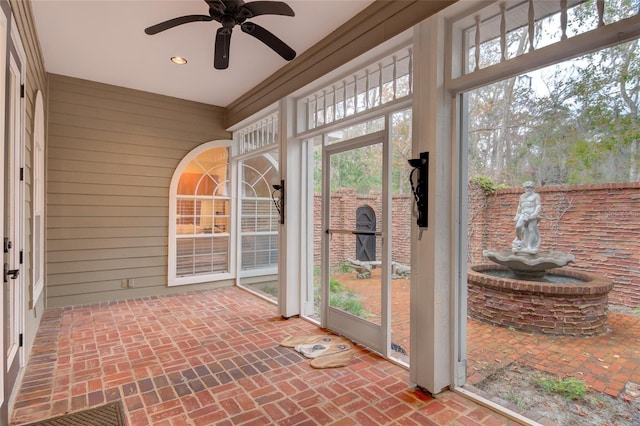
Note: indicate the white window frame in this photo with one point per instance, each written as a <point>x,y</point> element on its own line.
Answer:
<point>256,271</point>
<point>456,84</point>
<point>173,279</point>
<point>38,201</point>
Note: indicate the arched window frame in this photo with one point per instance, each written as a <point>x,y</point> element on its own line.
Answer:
<point>273,171</point>
<point>173,279</point>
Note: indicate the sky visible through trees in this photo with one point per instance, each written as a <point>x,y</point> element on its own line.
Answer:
<point>571,123</point>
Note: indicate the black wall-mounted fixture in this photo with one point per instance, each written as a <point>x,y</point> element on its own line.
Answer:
<point>421,188</point>
<point>279,200</point>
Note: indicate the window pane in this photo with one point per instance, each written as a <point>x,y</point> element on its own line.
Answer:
<point>203,209</point>
<point>259,251</point>
<point>184,256</point>
<point>259,219</point>
<point>212,158</point>
<point>357,130</point>
<point>202,255</point>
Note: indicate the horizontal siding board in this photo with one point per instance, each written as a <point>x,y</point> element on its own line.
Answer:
<point>104,211</point>
<point>65,164</point>
<point>101,254</point>
<point>116,146</point>
<point>119,109</point>
<point>162,141</point>
<point>105,189</point>
<point>111,155</point>
<point>71,244</point>
<point>130,123</point>
<point>93,276</point>
<point>105,233</point>
<point>70,290</point>
<point>106,222</point>
<point>62,176</point>
<point>187,134</point>
<point>111,158</point>
<point>73,200</point>
<point>135,99</point>
<point>104,265</point>
<point>102,286</point>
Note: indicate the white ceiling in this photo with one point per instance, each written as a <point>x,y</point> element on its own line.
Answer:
<point>104,41</point>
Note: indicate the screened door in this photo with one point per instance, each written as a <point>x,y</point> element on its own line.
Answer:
<point>356,290</point>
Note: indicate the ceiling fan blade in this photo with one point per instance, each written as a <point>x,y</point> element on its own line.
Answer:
<point>155,29</point>
<point>268,8</point>
<point>268,38</point>
<point>221,54</point>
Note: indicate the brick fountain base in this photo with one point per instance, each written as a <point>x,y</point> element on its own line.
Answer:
<point>564,309</point>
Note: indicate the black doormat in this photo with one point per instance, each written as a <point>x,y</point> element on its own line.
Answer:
<point>106,415</point>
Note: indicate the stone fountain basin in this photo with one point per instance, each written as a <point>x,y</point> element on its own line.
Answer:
<point>529,265</point>
<point>565,309</point>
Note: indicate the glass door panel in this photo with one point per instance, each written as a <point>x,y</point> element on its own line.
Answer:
<point>402,206</point>
<point>354,266</point>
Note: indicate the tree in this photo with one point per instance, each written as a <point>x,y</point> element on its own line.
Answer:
<point>574,122</point>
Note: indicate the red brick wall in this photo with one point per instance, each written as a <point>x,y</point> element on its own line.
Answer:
<point>344,204</point>
<point>598,224</point>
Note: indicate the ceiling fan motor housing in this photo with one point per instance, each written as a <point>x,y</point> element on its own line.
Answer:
<point>230,13</point>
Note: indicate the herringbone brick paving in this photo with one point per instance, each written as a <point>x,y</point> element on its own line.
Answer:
<point>213,358</point>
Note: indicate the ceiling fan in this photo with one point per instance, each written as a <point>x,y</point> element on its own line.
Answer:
<point>231,13</point>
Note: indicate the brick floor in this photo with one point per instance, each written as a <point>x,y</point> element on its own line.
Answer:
<point>213,358</point>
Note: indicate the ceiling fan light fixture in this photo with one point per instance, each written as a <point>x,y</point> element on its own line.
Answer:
<point>178,60</point>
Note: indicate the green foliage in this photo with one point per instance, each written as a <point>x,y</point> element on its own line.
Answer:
<point>575,122</point>
<point>345,268</point>
<point>336,286</point>
<point>348,303</point>
<point>570,388</point>
<point>356,168</point>
<point>515,398</point>
<point>342,298</point>
<point>271,290</point>
<point>486,183</point>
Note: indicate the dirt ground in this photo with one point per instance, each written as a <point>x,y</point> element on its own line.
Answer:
<point>518,388</point>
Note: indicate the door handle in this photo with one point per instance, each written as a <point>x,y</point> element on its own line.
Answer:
<point>10,273</point>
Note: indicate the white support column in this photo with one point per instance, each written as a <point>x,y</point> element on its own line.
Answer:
<point>432,262</point>
<point>289,237</point>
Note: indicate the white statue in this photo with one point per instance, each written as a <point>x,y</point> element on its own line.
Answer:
<point>527,217</point>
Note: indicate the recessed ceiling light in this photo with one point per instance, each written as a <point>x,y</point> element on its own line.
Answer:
<point>178,60</point>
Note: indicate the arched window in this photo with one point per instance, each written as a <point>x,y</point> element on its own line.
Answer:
<point>200,243</point>
<point>258,215</point>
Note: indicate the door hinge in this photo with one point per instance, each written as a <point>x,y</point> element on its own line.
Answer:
<point>21,173</point>
<point>22,90</point>
<point>20,340</point>
<point>21,256</point>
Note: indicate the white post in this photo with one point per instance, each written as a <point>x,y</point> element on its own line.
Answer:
<point>432,262</point>
<point>289,237</point>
